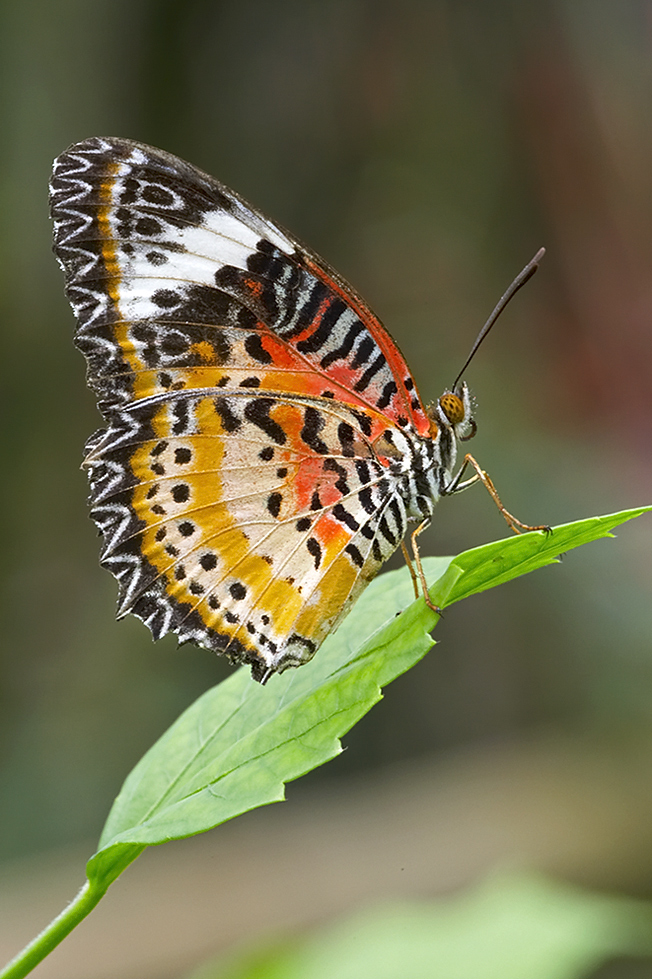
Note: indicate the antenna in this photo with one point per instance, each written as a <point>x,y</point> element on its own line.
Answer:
<point>519,281</point>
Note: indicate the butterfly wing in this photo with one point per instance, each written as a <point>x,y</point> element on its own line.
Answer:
<point>174,278</point>
<point>247,523</point>
<point>239,376</point>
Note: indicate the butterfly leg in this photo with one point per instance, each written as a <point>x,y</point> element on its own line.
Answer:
<point>413,574</point>
<point>457,484</point>
<point>512,522</point>
<point>419,569</point>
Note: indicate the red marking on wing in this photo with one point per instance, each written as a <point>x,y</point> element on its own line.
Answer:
<point>393,355</point>
<point>290,372</point>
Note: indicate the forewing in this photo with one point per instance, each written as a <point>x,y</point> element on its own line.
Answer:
<point>246,522</point>
<point>177,283</point>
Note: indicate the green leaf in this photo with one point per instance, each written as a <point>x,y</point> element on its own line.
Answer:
<point>508,928</point>
<point>496,563</point>
<point>238,744</point>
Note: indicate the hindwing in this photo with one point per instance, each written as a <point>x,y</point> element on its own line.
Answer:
<point>248,523</point>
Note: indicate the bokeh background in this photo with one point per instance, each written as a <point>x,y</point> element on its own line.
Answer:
<point>427,148</point>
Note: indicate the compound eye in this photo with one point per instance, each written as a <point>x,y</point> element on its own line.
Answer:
<point>453,407</point>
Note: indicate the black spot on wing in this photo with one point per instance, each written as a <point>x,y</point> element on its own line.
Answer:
<point>180,414</point>
<point>230,421</point>
<point>363,382</point>
<point>396,513</point>
<point>166,298</point>
<point>156,258</point>
<point>182,455</point>
<point>345,347</point>
<point>362,469</point>
<point>313,423</point>
<point>363,353</point>
<point>354,554</point>
<point>307,312</point>
<point>342,514</point>
<point>346,436</point>
<point>157,195</point>
<point>366,500</point>
<point>314,548</point>
<point>257,411</point>
<point>389,536</point>
<point>363,421</point>
<point>208,561</point>
<point>327,323</point>
<point>147,227</point>
<point>341,484</point>
<point>254,346</point>
<point>388,393</point>
<point>274,501</point>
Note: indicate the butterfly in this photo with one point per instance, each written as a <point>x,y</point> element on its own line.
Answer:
<point>265,446</point>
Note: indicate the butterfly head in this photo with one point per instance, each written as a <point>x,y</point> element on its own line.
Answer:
<point>454,410</point>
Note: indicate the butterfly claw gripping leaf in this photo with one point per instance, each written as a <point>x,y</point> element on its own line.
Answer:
<point>265,444</point>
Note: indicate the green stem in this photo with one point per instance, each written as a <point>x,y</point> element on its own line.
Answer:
<point>55,932</point>
<point>102,869</point>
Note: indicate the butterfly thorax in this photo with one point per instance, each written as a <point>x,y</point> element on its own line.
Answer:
<point>430,471</point>
<point>421,466</point>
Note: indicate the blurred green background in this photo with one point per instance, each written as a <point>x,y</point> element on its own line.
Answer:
<point>426,148</point>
